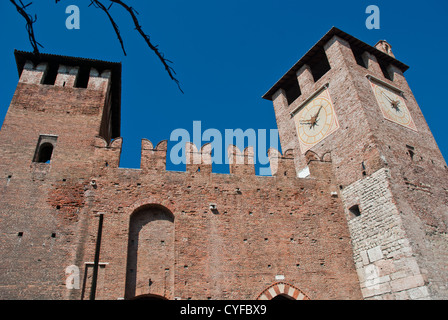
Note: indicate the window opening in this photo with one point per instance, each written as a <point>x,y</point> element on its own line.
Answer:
<point>44,149</point>
<point>354,211</point>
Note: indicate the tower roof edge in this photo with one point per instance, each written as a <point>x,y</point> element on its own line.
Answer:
<point>291,73</point>
<point>22,57</point>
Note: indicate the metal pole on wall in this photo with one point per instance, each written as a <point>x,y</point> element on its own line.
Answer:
<point>97,257</point>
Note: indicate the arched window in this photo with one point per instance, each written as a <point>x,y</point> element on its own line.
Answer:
<point>44,149</point>
<point>45,153</point>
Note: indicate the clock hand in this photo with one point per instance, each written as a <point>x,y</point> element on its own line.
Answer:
<point>314,119</point>
<point>317,114</point>
<point>313,123</point>
<point>388,98</point>
<point>394,103</point>
<point>308,122</point>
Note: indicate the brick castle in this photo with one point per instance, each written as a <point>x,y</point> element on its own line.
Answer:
<point>356,207</point>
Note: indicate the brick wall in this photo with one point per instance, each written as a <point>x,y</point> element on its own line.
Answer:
<point>160,235</point>
<point>43,206</point>
<point>262,228</point>
<point>367,142</point>
<point>201,235</point>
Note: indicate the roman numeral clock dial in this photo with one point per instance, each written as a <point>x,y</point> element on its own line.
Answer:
<point>315,120</point>
<point>392,104</point>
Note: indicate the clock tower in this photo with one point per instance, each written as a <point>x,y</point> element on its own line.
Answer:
<point>315,119</point>
<point>349,102</point>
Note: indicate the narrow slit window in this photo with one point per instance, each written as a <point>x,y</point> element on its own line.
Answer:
<point>411,151</point>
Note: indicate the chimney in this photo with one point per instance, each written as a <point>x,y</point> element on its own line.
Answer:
<point>385,47</point>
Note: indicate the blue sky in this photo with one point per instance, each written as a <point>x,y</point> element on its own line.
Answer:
<point>226,54</point>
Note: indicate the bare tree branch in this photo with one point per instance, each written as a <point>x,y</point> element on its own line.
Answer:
<point>29,24</point>
<point>99,5</point>
<point>154,48</point>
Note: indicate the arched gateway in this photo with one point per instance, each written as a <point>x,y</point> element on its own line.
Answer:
<point>282,291</point>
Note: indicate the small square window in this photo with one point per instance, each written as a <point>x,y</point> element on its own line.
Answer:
<point>354,211</point>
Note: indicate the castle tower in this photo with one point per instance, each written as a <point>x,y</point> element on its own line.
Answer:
<point>75,225</point>
<point>356,206</point>
<point>47,145</point>
<point>349,99</point>
<point>65,103</point>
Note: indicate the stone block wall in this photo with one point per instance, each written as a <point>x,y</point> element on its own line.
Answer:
<point>383,255</point>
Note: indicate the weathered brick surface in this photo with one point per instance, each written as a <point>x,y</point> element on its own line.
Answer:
<point>160,236</point>
<point>201,235</point>
<point>262,227</point>
<point>365,143</point>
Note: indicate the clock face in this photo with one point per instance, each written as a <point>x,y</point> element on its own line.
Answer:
<point>315,120</point>
<point>393,106</point>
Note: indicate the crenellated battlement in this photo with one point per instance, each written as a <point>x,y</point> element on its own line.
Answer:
<point>60,75</point>
<point>361,208</point>
<point>107,154</point>
<point>33,74</point>
<point>85,87</point>
<point>153,158</point>
<point>198,160</point>
<point>241,163</point>
<point>77,86</point>
<point>282,165</point>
